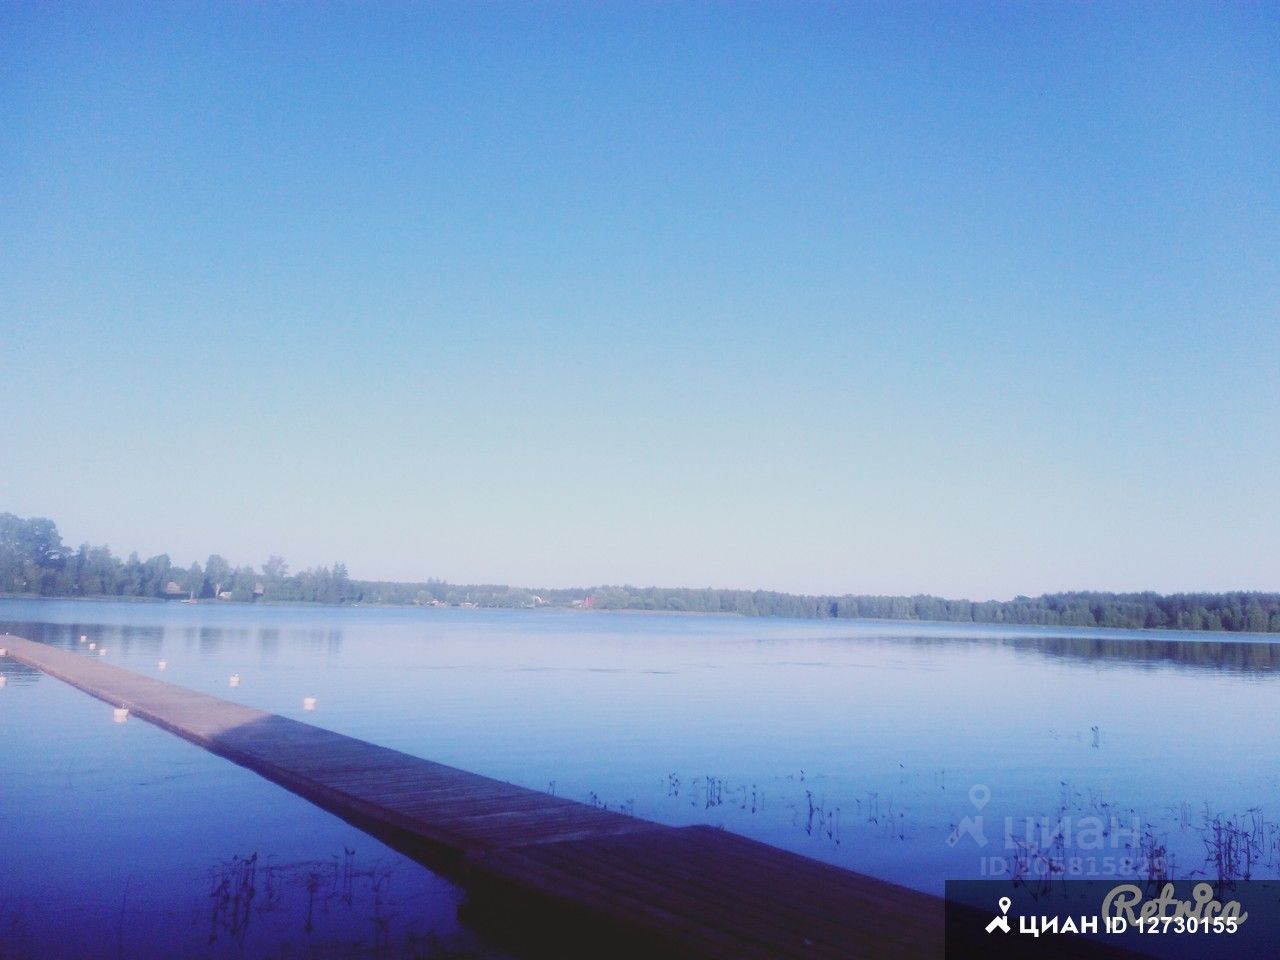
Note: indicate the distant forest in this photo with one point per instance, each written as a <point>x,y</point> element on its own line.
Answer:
<point>34,562</point>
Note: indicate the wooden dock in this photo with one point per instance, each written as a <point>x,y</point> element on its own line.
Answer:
<point>554,876</point>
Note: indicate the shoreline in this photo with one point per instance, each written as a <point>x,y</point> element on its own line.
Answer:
<point>1047,630</point>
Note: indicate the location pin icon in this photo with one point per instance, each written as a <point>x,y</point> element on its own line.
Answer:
<point>1005,904</point>
<point>979,795</point>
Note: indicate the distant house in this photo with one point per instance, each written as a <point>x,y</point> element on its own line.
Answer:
<point>224,595</point>
<point>173,591</point>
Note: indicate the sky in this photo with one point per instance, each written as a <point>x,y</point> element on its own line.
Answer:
<point>967,299</point>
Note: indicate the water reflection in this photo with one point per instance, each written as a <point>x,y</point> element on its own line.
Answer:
<point>250,905</point>
<point>1151,648</point>
<point>1260,657</point>
<point>269,641</point>
<point>11,671</point>
<point>1158,648</point>
<point>208,640</point>
<point>342,906</point>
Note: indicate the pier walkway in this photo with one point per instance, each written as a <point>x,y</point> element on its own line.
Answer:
<point>573,878</point>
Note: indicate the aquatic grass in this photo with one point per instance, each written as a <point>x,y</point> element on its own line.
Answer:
<point>1236,845</point>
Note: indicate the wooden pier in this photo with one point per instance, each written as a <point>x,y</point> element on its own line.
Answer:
<point>556,877</point>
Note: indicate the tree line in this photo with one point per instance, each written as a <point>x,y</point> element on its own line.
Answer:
<point>34,561</point>
<point>1237,612</point>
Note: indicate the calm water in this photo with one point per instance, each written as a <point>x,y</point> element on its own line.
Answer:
<point>915,752</point>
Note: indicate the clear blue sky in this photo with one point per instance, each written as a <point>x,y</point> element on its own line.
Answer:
<point>975,300</point>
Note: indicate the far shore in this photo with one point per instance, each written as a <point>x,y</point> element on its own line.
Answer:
<point>1164,633</point>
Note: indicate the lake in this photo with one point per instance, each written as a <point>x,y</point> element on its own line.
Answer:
<point>915,752</point>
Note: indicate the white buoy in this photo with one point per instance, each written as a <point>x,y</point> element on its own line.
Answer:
<point>121,714</point>
<point>93,646</point>
<point>308,703</point>
<point>3,652</point>
<point>102,651</point>
<point>3,679</point>
<point>235,680</point>
<point>83,638</point>
<point>163,665</point>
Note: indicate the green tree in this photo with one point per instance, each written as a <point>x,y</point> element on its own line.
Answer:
<point>193,580</point>
<point>243,584</point>
<point>274,572</point>
<point>1255,618</point>
<point>217,575</point>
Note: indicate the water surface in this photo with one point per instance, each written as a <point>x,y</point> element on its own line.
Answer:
<point>914,752</point>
